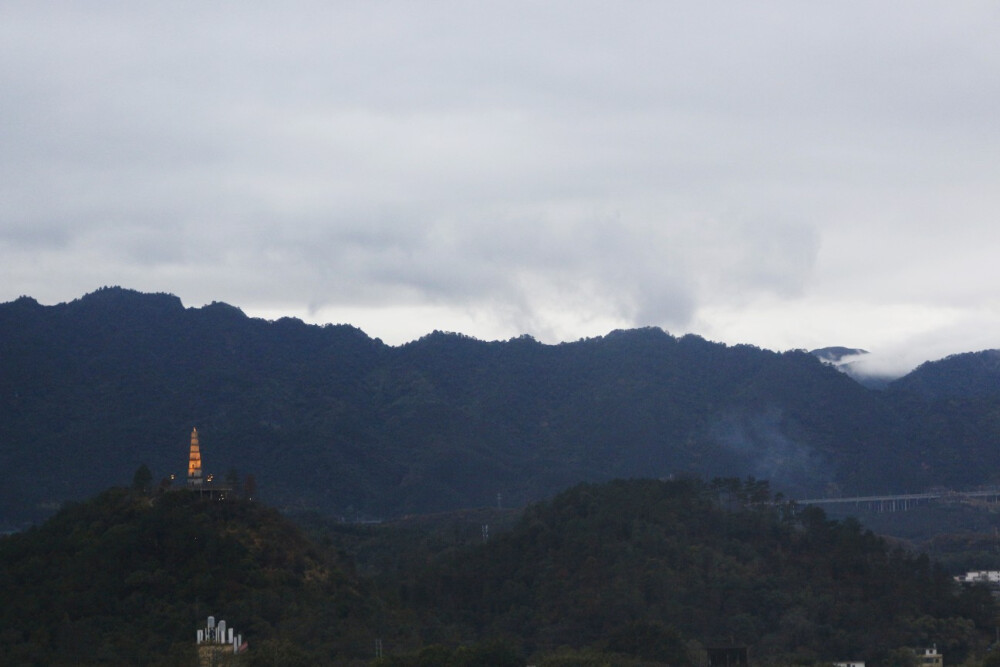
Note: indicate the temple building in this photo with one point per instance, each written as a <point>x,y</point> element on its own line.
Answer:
<point>204,484</point>
<point>194,461</point>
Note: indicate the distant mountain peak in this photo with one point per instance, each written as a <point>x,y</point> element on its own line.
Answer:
<point>835,355</point>
<point>121,297</point>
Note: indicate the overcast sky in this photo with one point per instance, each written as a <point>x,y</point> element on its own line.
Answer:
<point>786,174</point>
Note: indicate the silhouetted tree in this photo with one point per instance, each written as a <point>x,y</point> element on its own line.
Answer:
<point>142,480</point>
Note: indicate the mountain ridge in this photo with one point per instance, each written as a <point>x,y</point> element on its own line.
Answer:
<point>328,418</point>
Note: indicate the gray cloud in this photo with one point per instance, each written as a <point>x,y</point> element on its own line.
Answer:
<point>548,169</point>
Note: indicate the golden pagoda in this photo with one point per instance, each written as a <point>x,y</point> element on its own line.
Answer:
<point>194,461</point>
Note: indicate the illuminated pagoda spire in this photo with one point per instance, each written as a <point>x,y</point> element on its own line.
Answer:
<point>194,460</point>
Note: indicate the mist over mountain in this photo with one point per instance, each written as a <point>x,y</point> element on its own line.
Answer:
<point>857,363</point>
<point>837,355</point>
<point>330,419</point>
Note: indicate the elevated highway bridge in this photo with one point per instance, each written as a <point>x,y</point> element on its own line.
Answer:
<point>902,502</point>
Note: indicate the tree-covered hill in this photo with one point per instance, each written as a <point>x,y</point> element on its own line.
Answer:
<point>126,579</point>
<point>968,375</point>
<point>329,419</point>
<point>628,573</point>
<point>653,571</point>
<point>951,411</point>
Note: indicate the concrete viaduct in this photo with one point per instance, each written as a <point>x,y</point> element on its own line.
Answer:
<point>899,503</point>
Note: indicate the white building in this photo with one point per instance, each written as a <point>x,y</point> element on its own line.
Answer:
<point>215,640</point>
<point>979,577</point>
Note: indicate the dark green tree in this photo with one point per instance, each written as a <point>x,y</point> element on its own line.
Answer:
<point>142,480</point>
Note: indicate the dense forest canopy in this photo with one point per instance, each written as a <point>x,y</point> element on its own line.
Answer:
<point>126,578</point>
<point>622,573</point>
<point>656,569</point>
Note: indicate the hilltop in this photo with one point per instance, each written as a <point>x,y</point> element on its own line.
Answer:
<point>654,572</point>
<point>125,578</point>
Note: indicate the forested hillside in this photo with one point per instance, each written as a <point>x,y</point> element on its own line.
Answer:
<point>329,419</point>
<point>950,417</point>
<point>626,573</point>
<point>126,579</point>
<point>659,570</point>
